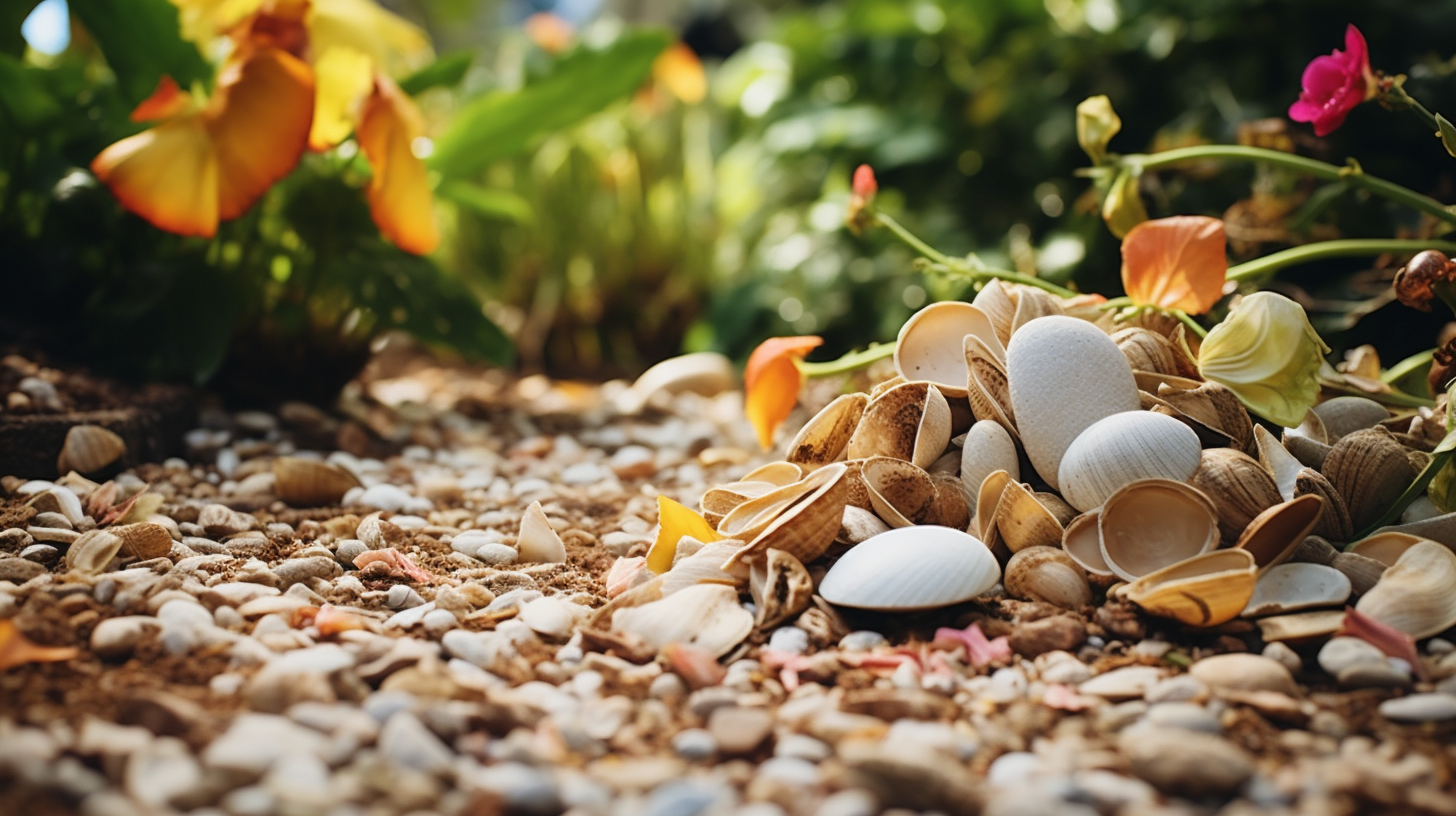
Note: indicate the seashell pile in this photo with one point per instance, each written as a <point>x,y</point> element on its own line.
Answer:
<point>1064,459</point>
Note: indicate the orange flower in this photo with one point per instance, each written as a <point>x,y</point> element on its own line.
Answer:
<point>399,192</point>
<point>209,162</point>
<point>1175,263</point>
<point>771,382</point>
<point>17,650</point>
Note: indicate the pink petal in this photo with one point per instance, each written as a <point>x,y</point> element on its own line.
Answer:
<point>1389,640</point>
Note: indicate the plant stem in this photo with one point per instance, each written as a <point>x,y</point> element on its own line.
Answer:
<point>1353,175</point>
<point>1188,321</point>
<point>849,362</point>
<point>1331,249</point>
<point>980,274</point>
<point>911,240</point>
<point>1400,399</point>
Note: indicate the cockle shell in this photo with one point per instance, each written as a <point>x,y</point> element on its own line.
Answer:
<point>911,421</point>
<point>1154,523</point>
<point>1273,535</point>
<point>707,616</point>
<point>911,568</point>
<point>1063,375</point>
<point>1123,448</point>
<point>92,552</point>
<point>143,540</point>
<point>1334,523</point>
<point>900,493</point>
<point>1048,575</point>
<point>1345,415</point>
<point>1291,587</point>
<point>1415,594</point>
<point>1369,469</point>
<point>89,448</point>
<point>803,526</point>
<point>1146,350</point>
<point>781,588</point>
<point>310,483</point>
<point>825,437</point>
<point>930,342</point>
<point>1204,590</point>
<point>1239,486</point>
<point>987,448</point>
<point>1033,303</point>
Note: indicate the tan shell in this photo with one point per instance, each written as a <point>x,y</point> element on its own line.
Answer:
<point>950,508</point>
<point>987,447</point>
<point>1311,428</point>
<point>1048,575</point>
<point>1277,461</point>
<point>1274,535</point>
<point>143,540</point>
<point>825,437</point>
<point>987,498</point>
<point>1364,572</point>
<point>1239,486</point>
<point>1415,594</point>
<point>1334,523</point>
<point>998,303</point>
<point>1083,544</point>
<point>781,588</point>
<point>1314,550</point>
<point>719,501</point>
<point>910,422</point>
<point>1204,590</point>
<point>988,391</point>
<point>1369,469</point>
<point>1032,303</point>
<point>1024,520</point>
<point>89,448</point>
<point>929,345</point>
<point>1146,350</point>
<point>1301,627</point>
<point>704,372</point>
<point>704,615</point>
<point>1291,587</point>
<point>1386,547</point>
<point>858,525</point>
<point>93,551</point>
<point>900,493</point>
<point>1215,412</point>
<point>537,541</point>
<point>309,482</point>
<point>1154,523</point>
<point>803,526</point>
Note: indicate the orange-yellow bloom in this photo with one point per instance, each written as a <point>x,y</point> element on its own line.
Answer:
<point>205,163</point>
<point>399,192</point>
<point>679,70</point>
<point>1175,263</point>
<point>771,382</point>
<point>17,650</point>
<point>674,521</point>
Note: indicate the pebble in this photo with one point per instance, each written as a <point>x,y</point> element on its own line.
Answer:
<point>348,550</point>
<point>1420,708</point>
<point>1187,716</point>
<point>521,788</point>
<point>20,570</point>
<point>1244,672</point>
<point>1124,683</point>
<point>496,554</point>
<point>740,730</point>
<point>300,570</point>
<point>695,744</point>
<point>163,773</point>
<point>251,744</point>
<point>1179,688</point>
<point>1185,763</point>
<point>390,499</point>
<point>1057,633</point>
<point>552,617</point>
<point>1014,769</point>
<point>633,462</point>
<point>439,621</point>
<point>803,747</point>
<point>116,638</point>
<point>1341,653</point>
<point>1384,674</point>
<point>790,639</point>
<point>405,741</point>
<point>402,596</point>
<point>848,802</point>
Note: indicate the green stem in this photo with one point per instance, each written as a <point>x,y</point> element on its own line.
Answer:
<point>849,362</point>
<point>1331,249</point>
<point>1399,399</point>
<point>980,275</point>
<point>1415,362</point>
<point>1410,494</point>
<point>1188,321</point>
<point>911,239</point>
<point>1398,97</point>
<point>1352,175</point>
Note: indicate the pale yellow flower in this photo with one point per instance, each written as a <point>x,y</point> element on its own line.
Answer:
<point>1097,123</point>
<point>1268,354</point>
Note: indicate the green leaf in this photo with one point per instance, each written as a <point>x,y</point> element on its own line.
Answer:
<point>22,99</point>
<point>412,294</point>
<point>142,41</point>
<point>502,125</point>
<point>447,71</point>
<point>1447,133</point>
<point>498,205</point>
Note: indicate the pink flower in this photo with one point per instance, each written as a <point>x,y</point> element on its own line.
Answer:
<point>1334,85</point>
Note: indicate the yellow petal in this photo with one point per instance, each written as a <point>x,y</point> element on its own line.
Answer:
<point>203,20</point>
<point>1123,208</point>
<point>259,122</point>
<point>1175,263</point>
<point>1097,123</point>
<point>392,42</point>
<point>673,522</point>
<point>399,191</point>
<point>771,382</point>
<point>681,72</point>
<point>1268,354</point>
<point>166,174</point>
<point>344,79</point>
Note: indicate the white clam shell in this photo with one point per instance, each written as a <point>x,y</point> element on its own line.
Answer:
<point>1123,448</point>
<point>987,448</point>
<point>1290,587</point>
<point>704,615</point>
<point>911,568</point>
<point>1064,374</point>
<point>930,342</point>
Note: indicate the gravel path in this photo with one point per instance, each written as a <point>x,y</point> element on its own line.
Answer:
<point>401,652</point>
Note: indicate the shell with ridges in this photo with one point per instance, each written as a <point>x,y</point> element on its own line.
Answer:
<point>1063,375</point>
<point>89,448</point>
<point>805,527</point>
<point>1146,350</point>
<point>987,391</point>
<point>1369,469</point>
<point>1123,448</point>
<point>310,483</point>
<point>1024,520</point>
<point>1415,594</point>
<point>92,552</point>
<point>911,568</point>
<point>1239,486</point>
<point>1334,523</point>
<point>998,303</point>
<point>1204,590</point>
<point>1149,525</point>
<point>987,448</point>
<point>911,422</point>
<point>900,493</point>
<point>1214,411</point>
<point>1048,575</point>
<point>143,540</point>
<point>781,588</point>
<point>825,437</point>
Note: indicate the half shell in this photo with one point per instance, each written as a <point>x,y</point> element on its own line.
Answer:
<point>900,493</point>
<point>1239,486</point>
<point>1274,535</point>
<point>1083,544</point>
<point>1204,590</point>
<point>1291,587</point>
<point>1152,524</point>
<point>1369,469</point>
<point>803,526</point>
<point>911,421</point>
<point>911,568</point>
<point>89,448</point>
<point>825,437</point>
<point>987,448</point>
<point>930,342</point>
<point>1415,594</point>
<point>310,483</point>
<point>1048,575</point>
<point>781,588</point>
<point>143,540</point>
<point>707,616</point>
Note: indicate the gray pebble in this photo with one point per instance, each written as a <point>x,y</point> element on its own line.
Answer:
<point>695,744</point>
<point>349,549</point>
<point>1015,769</point>
<point>1187,716</point>
<point>41,554</point>
<point>439,621</point>
<point>522,788</point>
<point>19,570</point>
<point>1420,708</point>
<point>251,744</point>
<point>300,570</point>
<point>849,802</point>
<point>496,554</point>
<point>1185,763</point>
<point>1285,656</point>
<point>116,638</point>
<point>803,746</point>
<point>789,639</point>
<point>405,741</point>
<point>1341,653</point>
<point>862,641</point>
<point>1374,675</point>
<point>403,596</point>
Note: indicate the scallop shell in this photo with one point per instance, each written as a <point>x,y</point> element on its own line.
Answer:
<point>310,483</point>
<point>1146,350</point>
<point>781,588</point>
<point>1274,535</point>
<point>89,448</point>
<point>1124,448</point>
<point>1152,524</point>
<point>1291,587</point>
<point>987,448</point>
<point>900,493</point>
<point>930,342</point>
<point>1369,469</point>
<point>911,568</point>
<point>911,421</point>
<point>825,437</point>
<point>1415,594</point>
<point>1048,575</point>
<point>707,616</point>
<point>1345,415</point>
<point>804,526</point>
<point>1063,374</point>
<point>1204,590</point>
<point>143,540</point>
<point>1239,486</point>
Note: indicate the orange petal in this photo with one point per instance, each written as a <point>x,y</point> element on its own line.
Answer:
<point>16,649</point>
<point>259,121</point>
<point>673,522</point>
<point>1175,263</point>
<point>771,382</point>
<point>549,32</point>
<point>399,191</point>
<point>166,101</point>
<point>167,175</point>
<point>681,72</point>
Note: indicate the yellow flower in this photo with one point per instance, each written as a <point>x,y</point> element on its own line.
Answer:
<point>1268,354</point>
<point>1097,123</point>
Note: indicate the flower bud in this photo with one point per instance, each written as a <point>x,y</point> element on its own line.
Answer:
<point>861,197</point>
<point>1123,208</point>
<point>1268,354</point>
<point>1097,123</point>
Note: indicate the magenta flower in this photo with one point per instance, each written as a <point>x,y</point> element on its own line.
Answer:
<point>1334,85</point>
